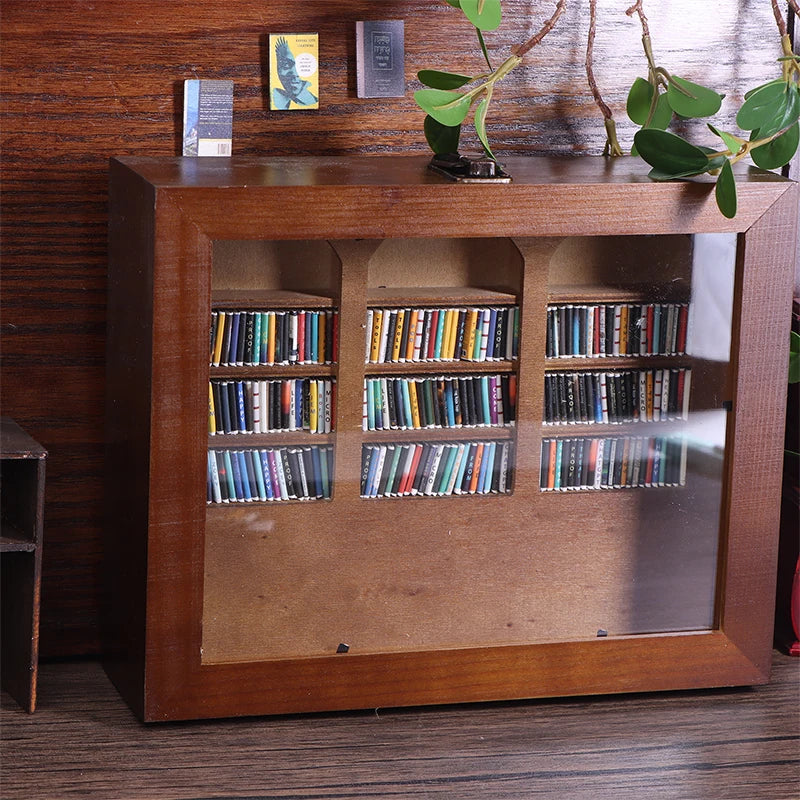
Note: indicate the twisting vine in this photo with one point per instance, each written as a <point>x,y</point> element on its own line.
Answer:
<point>612,147</point>
<point>770,112</point>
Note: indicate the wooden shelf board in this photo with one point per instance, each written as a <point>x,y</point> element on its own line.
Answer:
<point>615,363</point>
<point>411,368</point>
<point>476,434</point>
<point>437,296</point>
<point>611,430</point>
<point>238,441</point>
<point>272,371</point>
<point>268,299</point>
<point>595,294</point>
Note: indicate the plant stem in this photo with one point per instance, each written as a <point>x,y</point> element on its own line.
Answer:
<point>520,50</point>
<point>637,8</point>
<point>779,18</point>
<point>612,144</point>
<point>746,147</point>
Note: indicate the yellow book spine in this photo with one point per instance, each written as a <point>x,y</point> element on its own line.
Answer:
<point>212,419</point>
<point>412,393</point>
<point>469,333</point>
<point>650,395</point>
<point>219,337</point>
<point>313,407</point>
<point>451,346</point>
<point>412,327</point>
<point>377,321</point>
<point>271,337</point>
<point>448,329</point>
<point>398,334</point>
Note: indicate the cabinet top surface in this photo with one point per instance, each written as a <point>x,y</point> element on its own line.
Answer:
<point>400,171</point>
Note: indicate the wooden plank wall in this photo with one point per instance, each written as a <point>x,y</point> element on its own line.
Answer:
<point>82,81</point>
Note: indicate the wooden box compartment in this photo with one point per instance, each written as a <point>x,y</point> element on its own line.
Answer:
<point>286,595</point>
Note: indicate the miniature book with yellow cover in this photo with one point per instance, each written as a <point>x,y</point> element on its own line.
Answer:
<point>294,71</point>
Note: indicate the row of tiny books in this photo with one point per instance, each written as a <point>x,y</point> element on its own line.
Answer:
<point>435,469</point>
<point>441,334</point>
<point>621,329</point>
<point>439,402</point>
<point>268,406</point>
<point>240,338</point>
<point>644,395</point>
<point>276,473</point>
<point>613,463</point>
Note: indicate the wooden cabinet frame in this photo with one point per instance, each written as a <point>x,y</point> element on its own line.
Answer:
<point>165,216</point>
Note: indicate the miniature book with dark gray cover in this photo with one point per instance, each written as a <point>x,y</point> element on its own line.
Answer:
<point>379,58</point>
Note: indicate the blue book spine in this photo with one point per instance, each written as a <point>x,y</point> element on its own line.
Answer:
<point>247,478</point>
<point>462,467</point>
<point>437,348</point>
<point>576,333</point>
<point>315,354</point>
<point>486,474</point>
<point>259,474</point>
<point>298,404</point>
<point>269,491</point>
<point>231,355</point>
<point>240,411</point>
<point>559,451</point>
<point>236,469</point>
<point>486,413</point>
<point>257,338</point>
<point>226,460</point>
<point>449,406</point>
<point>492,333</point>
<point>263,337</point>
<point>598,402</point>
<point>373,463</point>
<point>482,471</point>
<point>370,404</point>
<point>316,478</point>
<point>377,404</point>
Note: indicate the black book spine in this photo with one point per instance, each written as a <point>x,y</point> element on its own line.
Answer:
<point>454,392</point>
<point>423,467</point>
<point>391,401</point>
<point>579,392</point>
<point>569,388</point>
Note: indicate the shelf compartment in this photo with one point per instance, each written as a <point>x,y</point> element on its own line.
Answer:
<point>592,294</point>
<point>275,439</point>
<point>604,463</point>
<point>478,466</point>
<point>270,474</point>
<point>465,434</point>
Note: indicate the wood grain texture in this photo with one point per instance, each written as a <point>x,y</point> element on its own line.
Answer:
<point>735,744</point>
<point>81,83</point>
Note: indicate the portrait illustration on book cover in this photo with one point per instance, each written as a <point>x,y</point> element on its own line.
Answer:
<point>294,71</point>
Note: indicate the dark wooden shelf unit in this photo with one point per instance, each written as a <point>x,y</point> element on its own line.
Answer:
<point>22,472</point>
<point>243,608</point>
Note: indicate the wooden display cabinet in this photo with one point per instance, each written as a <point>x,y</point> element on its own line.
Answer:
<point>228,600</point>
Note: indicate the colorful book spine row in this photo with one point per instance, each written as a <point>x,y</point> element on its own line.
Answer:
<point>253,338</point>
<point>439,402</point>
<point>441,334</point>
<point>435,469</point>
<point>613,463</point>
<point>269,406</point>
<point>276,473</point>
<point>645,395</point>
<point>621,329</point>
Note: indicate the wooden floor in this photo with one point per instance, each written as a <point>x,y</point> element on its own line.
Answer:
<point>723,744</point>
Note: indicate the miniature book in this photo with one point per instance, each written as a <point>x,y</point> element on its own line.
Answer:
<point>207,117</point>
<point>379,58</point>
<point>294,71</point>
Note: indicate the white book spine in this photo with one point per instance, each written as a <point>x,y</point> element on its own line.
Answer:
<point>687,380</point>
<point>368,334</point>
<point>384,348</point>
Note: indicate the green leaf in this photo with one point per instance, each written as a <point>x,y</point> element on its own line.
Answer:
<point>480,124</point>
<point>731,142</point>
<point>725,191</point>
<point>663,113</point>
<point>794,357</point>
<point>484,50</point>
<point>752,91</point>
<point>765,103</point>
<point>670,154</point>
<point>779,151</point>
<point>789,113</point>
<point>441,138</point>
<point>442,80</point>
<point>485,15</point>
<point>639,98</point>
<point>692,100</point>
<point>449,108</point>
